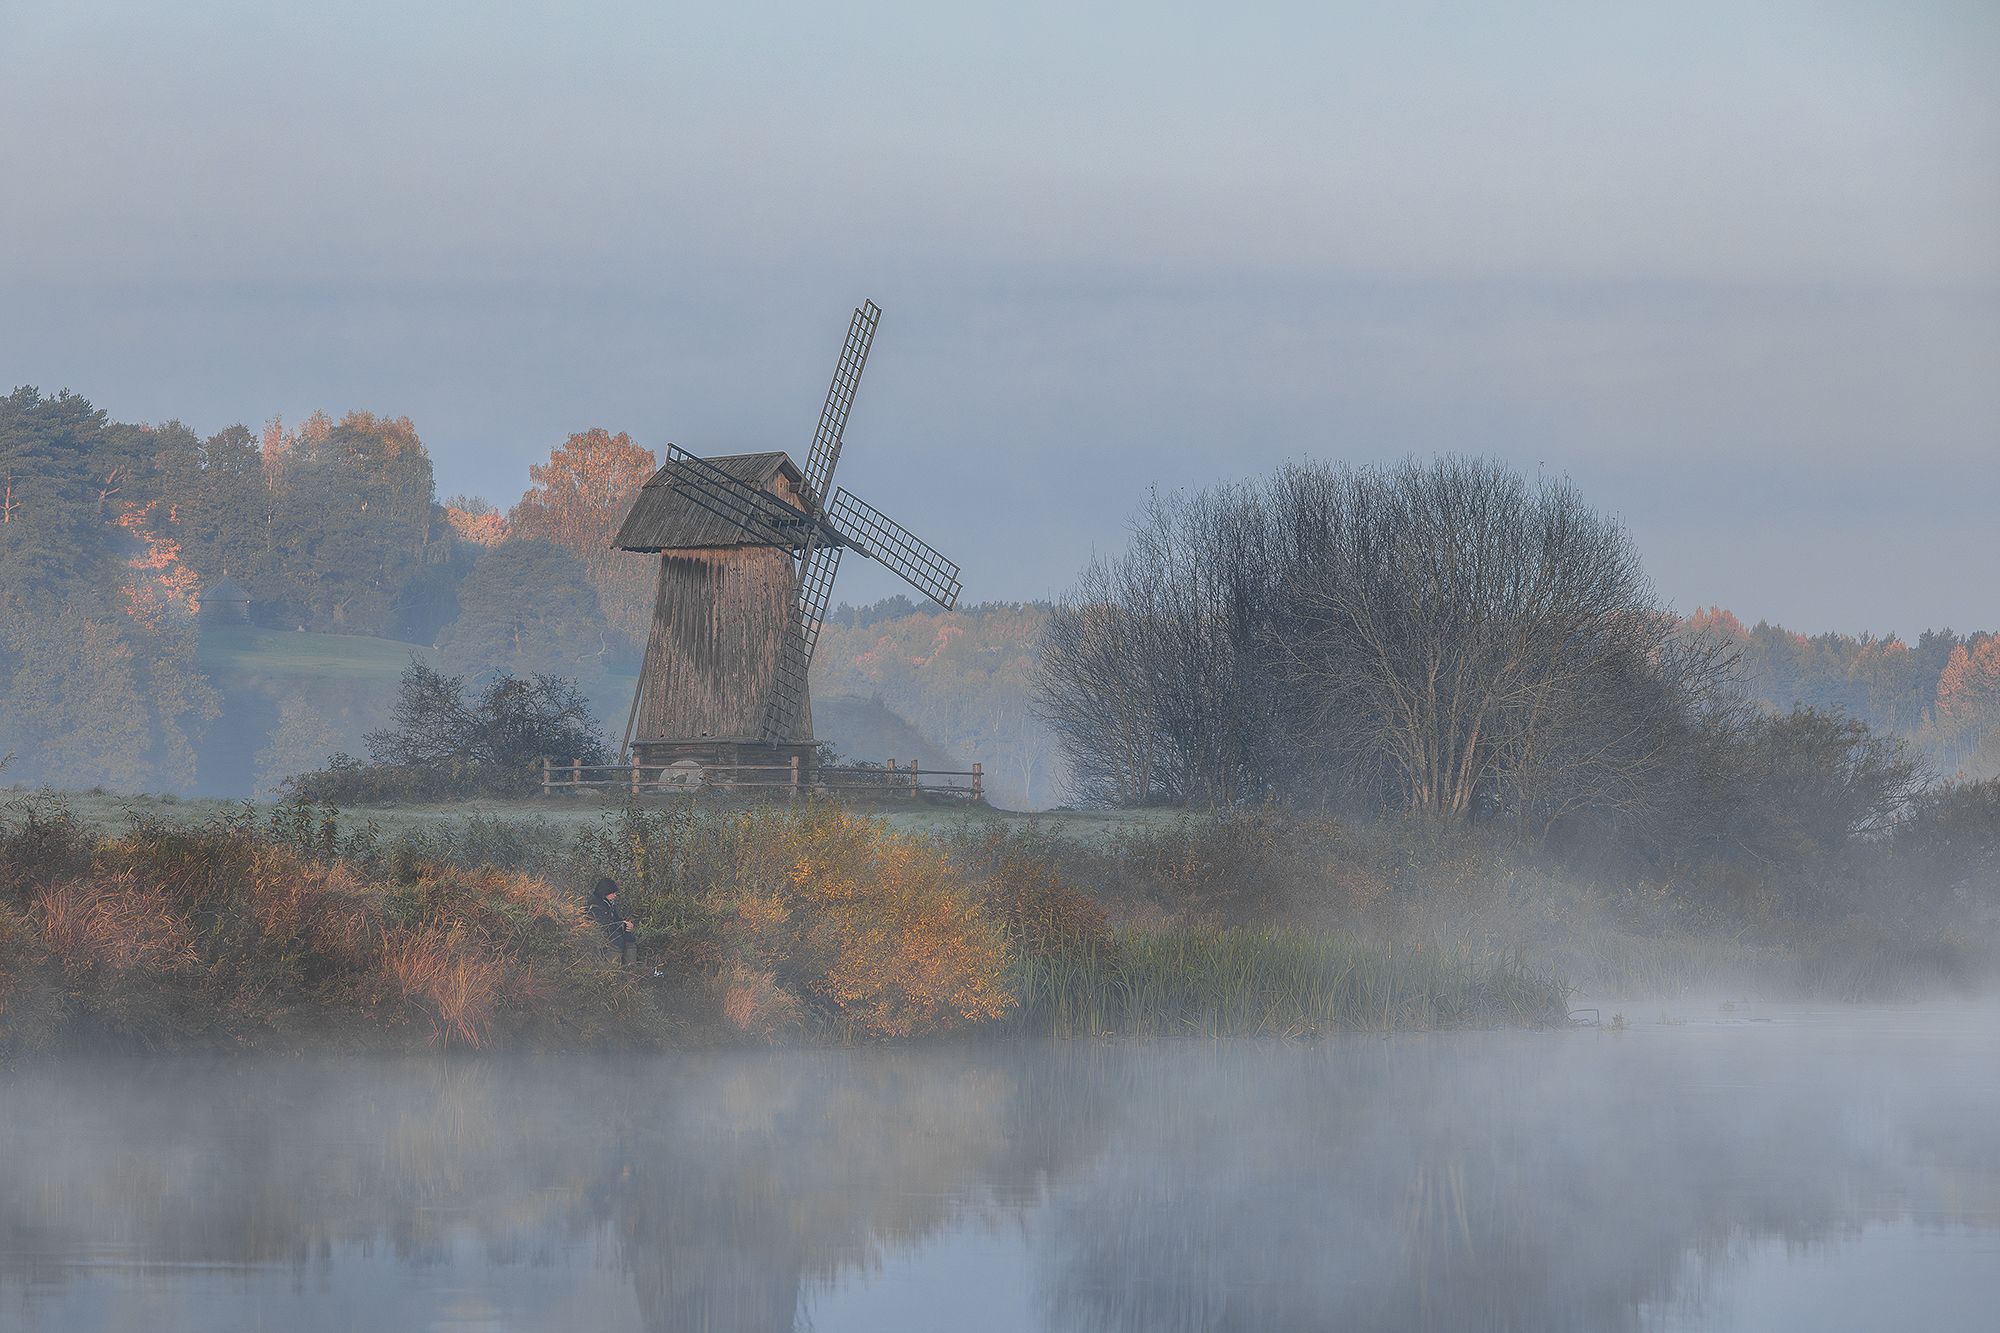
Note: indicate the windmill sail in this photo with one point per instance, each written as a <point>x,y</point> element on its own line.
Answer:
<point>789,688</point>
<point>839,402</point>
<point>757,514</point>
<point>876,535</point>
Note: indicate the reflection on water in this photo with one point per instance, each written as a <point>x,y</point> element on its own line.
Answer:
<point>1669,1177</point>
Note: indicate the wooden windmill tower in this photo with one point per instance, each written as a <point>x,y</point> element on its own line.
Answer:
<point>748,548</point>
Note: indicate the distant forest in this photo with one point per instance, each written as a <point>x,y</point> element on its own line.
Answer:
<point>1943,692</point>
<point>964,678</point>
<point>110,530</point>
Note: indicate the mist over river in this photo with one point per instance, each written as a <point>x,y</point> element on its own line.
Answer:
<point>1751,1166</point>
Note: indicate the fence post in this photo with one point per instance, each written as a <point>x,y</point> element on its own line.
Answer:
<point>795,777</point>
<point>545,777</point>
<point>576,777</point>
<point>975,782</point>
<point>915,790</point>
<point>635,775</point>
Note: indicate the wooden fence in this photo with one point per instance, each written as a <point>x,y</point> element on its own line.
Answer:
<point>576,778</point>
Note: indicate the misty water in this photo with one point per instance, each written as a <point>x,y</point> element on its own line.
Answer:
<point>1754,1167</point>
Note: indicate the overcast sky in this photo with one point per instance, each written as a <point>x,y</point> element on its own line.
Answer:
<point>1734,268</point>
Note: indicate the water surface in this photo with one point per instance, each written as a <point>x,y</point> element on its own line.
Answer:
<point>1753,1167</point>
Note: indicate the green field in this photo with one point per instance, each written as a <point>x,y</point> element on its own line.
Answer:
<point>348,682</point>
<point>345,657</point>
<point>114,814</point>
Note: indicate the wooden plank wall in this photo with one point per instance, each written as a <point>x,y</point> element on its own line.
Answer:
<point>719,622</point>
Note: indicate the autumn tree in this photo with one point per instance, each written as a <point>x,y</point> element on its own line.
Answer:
<point>1968,702</point>
<point>578,499</point>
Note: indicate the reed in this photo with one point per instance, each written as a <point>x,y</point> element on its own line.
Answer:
<point>1277,982</point>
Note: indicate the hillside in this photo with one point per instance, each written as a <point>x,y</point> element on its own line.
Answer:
<point>960,677</point>
<point>289,700</point>
<point>869,731</point>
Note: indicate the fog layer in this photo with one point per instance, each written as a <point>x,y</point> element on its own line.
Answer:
<point>1556,1181</point>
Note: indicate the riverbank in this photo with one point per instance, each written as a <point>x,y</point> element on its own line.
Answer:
<point>110,813</point>
<point>299,931</point>
<point>154,924</point>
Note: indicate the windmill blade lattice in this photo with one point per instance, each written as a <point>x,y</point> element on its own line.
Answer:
<point>761,516</point>
<point>839,402</point>
<point>789,688</point>
<point>873,533</point>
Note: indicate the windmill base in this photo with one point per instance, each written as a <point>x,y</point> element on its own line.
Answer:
<point>727,754</point>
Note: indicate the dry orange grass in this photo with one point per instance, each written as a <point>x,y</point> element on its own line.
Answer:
<point>878,927</point>
<point>757,1006</point>
<point>120,925</point>
<point>212,938</point>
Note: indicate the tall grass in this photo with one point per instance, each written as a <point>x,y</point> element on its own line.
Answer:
<point>1277,982</point>
<point>236,935</point>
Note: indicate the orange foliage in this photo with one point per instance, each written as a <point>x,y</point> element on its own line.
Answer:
<point>483,529</point>
<point>877,925</point>
<point>121,926</point>
<point>910,950</point>
<point>577,502</point>
<point>278,443</point>
<point>390,438</point>
<point>756,1005</point>
<point>432,964</point>
<point>460,960</point>
<point>1716,618</point>
<point>1970,683</point>
<point>204,935</point>
<point>163,582</point>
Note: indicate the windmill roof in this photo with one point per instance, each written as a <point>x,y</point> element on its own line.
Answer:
<point>223,591</point>
<point>664,519</point>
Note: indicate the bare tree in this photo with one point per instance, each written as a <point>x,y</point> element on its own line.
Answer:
<point>1097,688</point>
<point>1152,673</point>
<point>1452,621</point>
<point>1442,637</point>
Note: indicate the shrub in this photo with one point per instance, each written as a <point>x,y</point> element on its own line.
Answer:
<point>347,781</point>
<point>1019,871</point>
<point>512,722</point>
<point>878,928</point>
<point>229,936</point>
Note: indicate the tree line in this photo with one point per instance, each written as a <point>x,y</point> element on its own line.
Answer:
<point>109,531</point>
<point>961,677</point>
<point>1451,640</point>
<point>1943,691</point>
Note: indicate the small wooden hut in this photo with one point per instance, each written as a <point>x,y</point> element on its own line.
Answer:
<point>720,617</point>
<point>223,603</point>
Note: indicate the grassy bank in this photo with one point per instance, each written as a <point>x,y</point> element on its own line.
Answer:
<point>1275,983</point>
<point>111,813</point>
<point>229,937</point>
<point>238,928</point>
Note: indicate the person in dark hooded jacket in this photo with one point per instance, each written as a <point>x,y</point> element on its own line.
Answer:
<point>604,911</point>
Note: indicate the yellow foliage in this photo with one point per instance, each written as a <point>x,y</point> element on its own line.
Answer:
<point>876,925</point>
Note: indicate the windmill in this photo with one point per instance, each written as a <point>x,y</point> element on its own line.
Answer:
<point>748,548</point>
